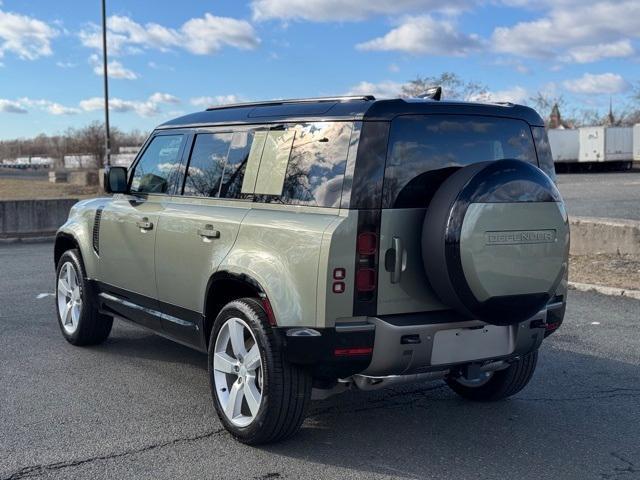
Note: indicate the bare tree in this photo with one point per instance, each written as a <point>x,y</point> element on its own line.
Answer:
<point>453,87</point>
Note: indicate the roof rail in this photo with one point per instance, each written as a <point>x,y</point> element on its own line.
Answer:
<point>345,98</point>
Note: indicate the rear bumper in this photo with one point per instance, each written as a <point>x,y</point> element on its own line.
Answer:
<point>411,344</point>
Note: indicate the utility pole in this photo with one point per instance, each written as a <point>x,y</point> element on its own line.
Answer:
<point>107,139</point>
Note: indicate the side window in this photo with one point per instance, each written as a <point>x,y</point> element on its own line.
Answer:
<point>207,164</point>
<point>317,164</point>
<point>273,164</point>
<point>301,164</point>
<point>234,170</point>
<point>158,171</point>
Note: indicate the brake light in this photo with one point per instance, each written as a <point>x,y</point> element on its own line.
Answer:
<point>366,280</point>
<point>366,277</point>
<point>367,243</point>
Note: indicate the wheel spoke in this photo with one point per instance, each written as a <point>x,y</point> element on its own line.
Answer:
<point>63,288</point>
<point>236,334</point>
<point>66,315</point>
<point>75,314</point>
<point>252,395</point>
<point>224,363</point>
<point>232,409</point>
<point>252,360</point>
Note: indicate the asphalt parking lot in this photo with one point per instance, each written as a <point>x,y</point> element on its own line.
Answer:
<point>139,407</point>
<point>613,195</point>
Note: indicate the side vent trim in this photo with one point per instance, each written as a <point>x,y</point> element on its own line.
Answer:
<point>96,230</point>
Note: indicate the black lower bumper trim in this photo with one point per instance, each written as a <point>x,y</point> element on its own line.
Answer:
<point>332,354</point>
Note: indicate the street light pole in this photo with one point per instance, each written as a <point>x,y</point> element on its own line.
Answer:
<point>107,139</point>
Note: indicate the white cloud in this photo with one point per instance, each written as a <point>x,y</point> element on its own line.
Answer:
<point>425,35</point>
<point>608,83</point>
<point>143,108</point>
<point>206,101</point>
<point>115,69</point>
<point>604,27</point>
<point>11,106</point>
<point>66,64</point>
<point>384,89</point>
<point>594,53</point>
<point>22,105</point>
<point>514,95</point>
<point>25,36</point>
<point>346,10</point>
<point>201,36</point>
<point>159,97</point>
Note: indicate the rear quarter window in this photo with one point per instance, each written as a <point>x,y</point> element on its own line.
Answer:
<point>424,150</point>
<point>543,148</point>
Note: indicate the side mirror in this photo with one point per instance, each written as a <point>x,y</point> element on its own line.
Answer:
<point>115,180</point>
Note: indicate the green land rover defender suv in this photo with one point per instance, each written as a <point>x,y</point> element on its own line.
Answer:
<point>313,246</point>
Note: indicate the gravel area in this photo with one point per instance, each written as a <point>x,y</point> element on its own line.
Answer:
<point>622,271</point>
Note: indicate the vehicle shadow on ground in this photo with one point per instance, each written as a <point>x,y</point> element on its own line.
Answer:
<point>578,410</point>
<point>135,342</point>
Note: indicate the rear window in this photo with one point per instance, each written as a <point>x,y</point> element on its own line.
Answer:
<point>424,150</point>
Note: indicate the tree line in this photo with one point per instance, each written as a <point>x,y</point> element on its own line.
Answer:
<point>88,140</point>
<point>456,88</point>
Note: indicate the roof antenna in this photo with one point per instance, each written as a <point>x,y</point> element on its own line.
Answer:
<point>434,93</point>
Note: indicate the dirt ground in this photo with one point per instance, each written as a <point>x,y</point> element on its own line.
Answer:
<point>28,188</point>
<point>622,271</point>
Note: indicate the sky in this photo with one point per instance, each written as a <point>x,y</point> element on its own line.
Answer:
<point>170,58</point>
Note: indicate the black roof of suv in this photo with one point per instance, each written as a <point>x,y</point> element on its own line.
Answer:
<point>346,108</point>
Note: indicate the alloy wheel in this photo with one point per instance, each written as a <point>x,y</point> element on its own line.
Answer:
<point>69,298</point>
<point>237,371</point>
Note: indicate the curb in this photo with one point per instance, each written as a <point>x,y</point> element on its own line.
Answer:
<point>46,238</point>
<point>604,290</point>
<point>591,235</point>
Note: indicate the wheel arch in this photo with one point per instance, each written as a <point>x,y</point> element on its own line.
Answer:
<point>64,241</point>
<point>224,287</point>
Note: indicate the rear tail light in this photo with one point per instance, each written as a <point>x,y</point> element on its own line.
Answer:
<point>366,280</point>
<point>367,243</point>
<point>366,276</point>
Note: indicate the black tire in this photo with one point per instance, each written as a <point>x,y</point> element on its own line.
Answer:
<point>286,388</point>
<point>92,327</point>
<point>502,384</point>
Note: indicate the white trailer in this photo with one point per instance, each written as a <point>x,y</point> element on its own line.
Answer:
<point>565,145</point>
<point>606,144</point>
<point>636,142</point>
<point>80,161</point>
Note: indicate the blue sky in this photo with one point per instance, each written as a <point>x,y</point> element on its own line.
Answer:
<point>169,58</point>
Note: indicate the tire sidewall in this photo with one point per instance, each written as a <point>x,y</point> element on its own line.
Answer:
<point>71,256</point>
<point>255,318</point>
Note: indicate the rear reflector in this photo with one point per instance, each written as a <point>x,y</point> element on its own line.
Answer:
<point>348,352</point>
<point>266,304</point>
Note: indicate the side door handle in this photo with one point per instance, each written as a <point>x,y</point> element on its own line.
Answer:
<point>208,232</point>
<point>144,224</point>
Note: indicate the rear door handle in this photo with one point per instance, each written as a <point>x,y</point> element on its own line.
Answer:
<point>397,264</point>
<point>208,232</point>
<point>144,224</point>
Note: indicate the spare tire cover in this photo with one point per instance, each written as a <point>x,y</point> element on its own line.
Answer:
<point>495,241</point>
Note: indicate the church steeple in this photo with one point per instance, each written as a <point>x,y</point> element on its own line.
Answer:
<point>611,120</point>
<point>555,119</point>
